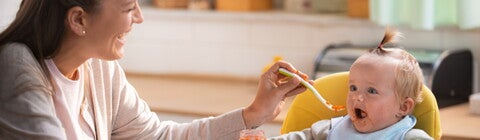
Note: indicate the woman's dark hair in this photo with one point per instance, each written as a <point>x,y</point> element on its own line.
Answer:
<point>40,24</point>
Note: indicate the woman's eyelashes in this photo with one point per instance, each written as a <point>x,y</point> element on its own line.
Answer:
<point>132,8</point>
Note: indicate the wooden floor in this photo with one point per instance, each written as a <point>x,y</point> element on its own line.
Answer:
<point>196,96</point>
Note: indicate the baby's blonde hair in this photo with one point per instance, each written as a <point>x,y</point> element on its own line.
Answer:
<point>408,75</point>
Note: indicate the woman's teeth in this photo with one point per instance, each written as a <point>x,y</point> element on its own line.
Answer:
<point>121,36</point>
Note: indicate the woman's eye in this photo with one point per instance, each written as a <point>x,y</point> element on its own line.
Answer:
<point>372,91</point>
<point>131,9</point>
<point>353,88</point>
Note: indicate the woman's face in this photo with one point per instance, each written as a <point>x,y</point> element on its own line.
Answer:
<point>371,101</point>
<point>106,28</point>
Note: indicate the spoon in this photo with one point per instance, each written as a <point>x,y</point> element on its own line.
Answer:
<point>335,108</point>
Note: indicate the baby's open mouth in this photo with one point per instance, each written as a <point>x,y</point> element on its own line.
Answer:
<point>360,113</point>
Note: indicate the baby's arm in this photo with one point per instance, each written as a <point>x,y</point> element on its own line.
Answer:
<point>318,131</point>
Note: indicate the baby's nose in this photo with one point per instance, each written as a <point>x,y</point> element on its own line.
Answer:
<point>359,97</point>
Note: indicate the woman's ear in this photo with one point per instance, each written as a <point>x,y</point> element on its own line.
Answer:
<point>407,106</point>
<point>76,20</point>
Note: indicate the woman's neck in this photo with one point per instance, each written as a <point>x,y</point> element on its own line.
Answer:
<point>69,58</point>
<point>67,66</point>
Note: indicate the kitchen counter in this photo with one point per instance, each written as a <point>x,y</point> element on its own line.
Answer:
<point>459,124</point>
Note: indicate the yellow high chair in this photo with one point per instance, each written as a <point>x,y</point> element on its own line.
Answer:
<point>306,109</point>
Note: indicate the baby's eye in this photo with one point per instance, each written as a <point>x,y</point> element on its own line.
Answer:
<point>372,91</point>
<point>353,88</point>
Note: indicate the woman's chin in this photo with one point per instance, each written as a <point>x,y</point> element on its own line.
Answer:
<point>117,53</point>
<point>120,53</point>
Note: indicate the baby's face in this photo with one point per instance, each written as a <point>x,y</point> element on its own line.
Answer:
<point>371,101</point>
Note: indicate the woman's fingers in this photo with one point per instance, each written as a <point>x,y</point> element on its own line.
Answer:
<point>281,64</point>
<point>296,91</point>
<point>311,82</point>
<point>287,86</point>
<point>289,67</point>
<point>302,75</point>
<point>290,85</point>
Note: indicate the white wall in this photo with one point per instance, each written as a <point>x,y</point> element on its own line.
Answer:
<point>8,9</point>
<point>241,44</point>
<point>233,43</point>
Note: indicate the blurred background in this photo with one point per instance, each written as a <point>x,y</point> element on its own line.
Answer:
<point>197,58</point>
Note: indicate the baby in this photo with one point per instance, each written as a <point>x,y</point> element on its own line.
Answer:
<point>384,86</point>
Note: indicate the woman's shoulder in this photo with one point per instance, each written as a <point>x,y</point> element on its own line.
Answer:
<point>15,50</point>
<point>17,56</point>
<point>29,110</point>
<point>20,69</point>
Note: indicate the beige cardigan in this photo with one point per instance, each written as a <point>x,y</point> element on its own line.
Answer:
<point>27,112</point>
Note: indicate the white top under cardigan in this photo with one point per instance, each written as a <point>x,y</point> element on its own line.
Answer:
<point>69,103</point>
<point>118,112</point>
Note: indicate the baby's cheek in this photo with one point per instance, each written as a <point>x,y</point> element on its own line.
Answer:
<point>349,100</point>
<point>349,105</point>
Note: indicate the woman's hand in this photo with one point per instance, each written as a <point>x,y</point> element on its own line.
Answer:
<point>273,89</point>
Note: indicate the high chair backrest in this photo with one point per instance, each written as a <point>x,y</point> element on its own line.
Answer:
<point>306,109</point>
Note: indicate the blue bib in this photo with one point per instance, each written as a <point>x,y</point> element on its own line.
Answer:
<point>343,129</point>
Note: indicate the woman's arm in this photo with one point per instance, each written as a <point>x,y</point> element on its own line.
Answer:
<point>133,119</point>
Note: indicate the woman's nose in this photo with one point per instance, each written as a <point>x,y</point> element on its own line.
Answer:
<point>138,16</point>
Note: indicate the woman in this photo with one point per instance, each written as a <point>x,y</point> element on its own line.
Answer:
<point>70,89</point>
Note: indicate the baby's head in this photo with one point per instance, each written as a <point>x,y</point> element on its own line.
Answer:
<point>384,86</point>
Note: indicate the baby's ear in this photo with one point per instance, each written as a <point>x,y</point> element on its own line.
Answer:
<point>407,106</point>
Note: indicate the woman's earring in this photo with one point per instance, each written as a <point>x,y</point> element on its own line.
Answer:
<point>83,32</point>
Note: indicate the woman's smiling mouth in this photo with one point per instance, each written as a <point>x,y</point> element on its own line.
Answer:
<point>122,37</point>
